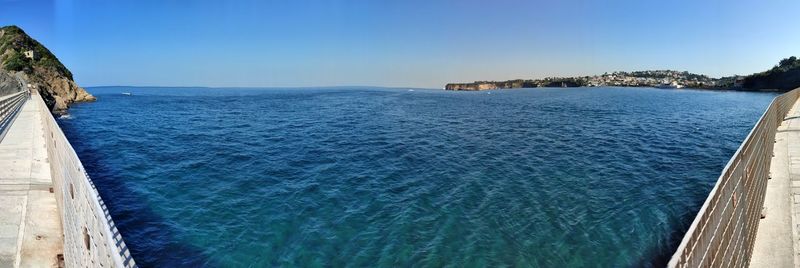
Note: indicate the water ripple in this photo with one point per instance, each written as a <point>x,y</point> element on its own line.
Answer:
<point>380,177</point>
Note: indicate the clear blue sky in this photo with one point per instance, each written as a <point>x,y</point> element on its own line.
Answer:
<point>400,43</point>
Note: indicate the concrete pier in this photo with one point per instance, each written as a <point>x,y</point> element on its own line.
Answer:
<point>777,242</point>
<point>30,227</point>
<point>51,214</point>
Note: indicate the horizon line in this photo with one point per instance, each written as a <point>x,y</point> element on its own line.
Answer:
<point>442,86</point>
<point>262,87</point>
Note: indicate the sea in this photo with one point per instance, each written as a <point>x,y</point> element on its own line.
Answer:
<point>399,177</point>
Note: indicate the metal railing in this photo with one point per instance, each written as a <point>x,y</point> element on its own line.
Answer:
<point>724,230</point>
<point>9,105</point>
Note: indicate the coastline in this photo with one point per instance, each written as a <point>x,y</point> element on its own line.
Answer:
<point>651,87</point>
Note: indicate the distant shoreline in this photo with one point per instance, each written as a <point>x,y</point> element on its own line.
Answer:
<point>637,86</point>
<point>783,77</point>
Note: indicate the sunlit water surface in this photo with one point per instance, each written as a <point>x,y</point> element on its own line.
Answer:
<point>368,177</point>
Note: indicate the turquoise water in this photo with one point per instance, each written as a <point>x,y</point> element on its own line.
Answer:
<point>372,177</point>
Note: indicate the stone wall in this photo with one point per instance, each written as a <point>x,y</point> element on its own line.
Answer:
<point>91,238</point>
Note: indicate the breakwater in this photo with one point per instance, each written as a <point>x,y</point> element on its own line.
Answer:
<point>91,238</point>
<point>724,231</point>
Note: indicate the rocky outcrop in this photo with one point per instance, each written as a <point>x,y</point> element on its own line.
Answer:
<point>22,55</point>
<point>9,84</point>
<point>471,86</point>
<point>57,91</point>
<point>518,83</point>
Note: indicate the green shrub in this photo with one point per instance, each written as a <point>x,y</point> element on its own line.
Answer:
<point>16,62</point>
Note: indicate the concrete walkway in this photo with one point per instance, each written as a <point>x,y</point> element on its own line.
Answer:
<point>776,242</point>
<point>30,227</point>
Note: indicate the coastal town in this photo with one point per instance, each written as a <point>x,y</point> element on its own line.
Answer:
<point>658,78</point>
<point>652,78</point>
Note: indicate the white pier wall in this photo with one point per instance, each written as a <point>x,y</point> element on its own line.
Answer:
<point>91,238</point>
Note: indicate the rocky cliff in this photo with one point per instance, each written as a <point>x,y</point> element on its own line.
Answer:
<point>9,84</point>
<point>22,55</point>
<point>519,83</point>
<point>470,86</point>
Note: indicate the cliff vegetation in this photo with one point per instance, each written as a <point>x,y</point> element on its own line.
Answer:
<point>784,76</point>
<point>23,55</point>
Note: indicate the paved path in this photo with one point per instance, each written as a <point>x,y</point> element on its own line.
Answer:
<point>30,227</point>
<point>776,244</point>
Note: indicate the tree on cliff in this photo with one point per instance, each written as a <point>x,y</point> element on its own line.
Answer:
<point>787,62</point>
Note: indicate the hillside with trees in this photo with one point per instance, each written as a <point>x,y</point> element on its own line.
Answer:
<point>784,76</point>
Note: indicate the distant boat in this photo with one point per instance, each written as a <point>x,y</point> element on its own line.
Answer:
<point>669,85</point>
<point>126,93</point>
<point>410,90</point>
